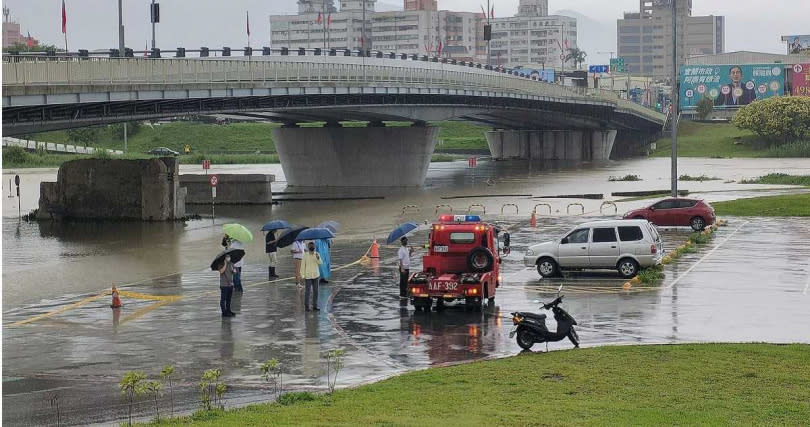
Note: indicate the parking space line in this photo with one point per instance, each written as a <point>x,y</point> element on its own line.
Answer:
<point>703,258</point>
<point>807,285</point>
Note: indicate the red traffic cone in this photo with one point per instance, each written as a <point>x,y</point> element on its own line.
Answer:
<point>116,301</point>
<point>533,221</point>
<point>375,249</point>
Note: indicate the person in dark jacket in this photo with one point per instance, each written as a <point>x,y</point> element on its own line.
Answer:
<point>271,247</point>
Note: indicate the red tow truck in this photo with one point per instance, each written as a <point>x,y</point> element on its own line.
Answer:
<point>463,263</point>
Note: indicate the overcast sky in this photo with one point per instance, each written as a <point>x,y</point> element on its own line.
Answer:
<point>92,24</point>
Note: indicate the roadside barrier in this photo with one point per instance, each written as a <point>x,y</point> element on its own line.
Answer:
<point>568,208</point>
<point>438,207</point>
<point>517,209</point>
<point>604,204</point>
<point>477,205</point>
<point>410,207</point>
<point>542,204</point>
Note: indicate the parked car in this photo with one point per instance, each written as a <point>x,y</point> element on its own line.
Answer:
<point>163,151</point>
<point>624,245</point>
<point>677,212</point>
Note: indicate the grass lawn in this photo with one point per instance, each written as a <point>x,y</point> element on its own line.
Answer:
<point>780,179</point>
<point>789,205</point>
<point>712,140</point>
<point>745,384</point>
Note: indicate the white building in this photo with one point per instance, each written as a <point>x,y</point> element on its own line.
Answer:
<point>532,38</point>
<point>337,29</point>
<point>461,34</point>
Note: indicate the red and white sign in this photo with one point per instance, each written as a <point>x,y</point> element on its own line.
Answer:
<point>206,164</point>
<point>213,180</point>
<point>472,162</point>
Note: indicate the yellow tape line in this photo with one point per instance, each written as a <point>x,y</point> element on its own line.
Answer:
<point>59,310</point>
<point>137,295</point>
<point>140,312</point>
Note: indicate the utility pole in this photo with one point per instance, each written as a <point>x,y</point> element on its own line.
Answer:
<point>487,15</point>
<point>120,30</point>
<point>363,33</point>
<point>674,99</point>
<point>154,19</point>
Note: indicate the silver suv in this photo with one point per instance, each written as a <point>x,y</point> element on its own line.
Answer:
<point>623,245</point>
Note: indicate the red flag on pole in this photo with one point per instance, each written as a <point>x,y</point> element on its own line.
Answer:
<point>318,21</point>
<point>483,11</point>
<point>29,41</point>
<point>566,43</point>
<point>64,18</point>
<point>329,20</point>
<point>247,20</point>
<point>492,12</point>
<point>439,50</point>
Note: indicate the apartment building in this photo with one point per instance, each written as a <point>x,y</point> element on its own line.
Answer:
<point>645,38</point>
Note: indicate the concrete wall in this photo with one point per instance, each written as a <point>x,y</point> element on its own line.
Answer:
<point>586,145</point>
<point>355,157</point>
<point>232,189</point>
<point>113,189</point>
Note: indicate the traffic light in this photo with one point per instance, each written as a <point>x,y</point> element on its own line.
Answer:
<point>487,32</point>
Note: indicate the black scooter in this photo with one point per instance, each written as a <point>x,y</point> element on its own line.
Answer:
<point>531,328</point>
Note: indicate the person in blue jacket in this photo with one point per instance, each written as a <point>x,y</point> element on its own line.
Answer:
<point>322,246</point>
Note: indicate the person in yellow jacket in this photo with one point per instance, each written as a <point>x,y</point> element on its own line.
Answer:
<point>311,274</point>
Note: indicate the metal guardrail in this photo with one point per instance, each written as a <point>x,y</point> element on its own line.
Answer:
<point>53,147</point>
<point>50,72</point>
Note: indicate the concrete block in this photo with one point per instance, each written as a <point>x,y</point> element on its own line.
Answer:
<point>232,189</point>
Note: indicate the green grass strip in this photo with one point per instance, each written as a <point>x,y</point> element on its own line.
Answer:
<point>708,384</point>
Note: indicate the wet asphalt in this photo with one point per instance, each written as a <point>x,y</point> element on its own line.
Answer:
<point>749,284</point>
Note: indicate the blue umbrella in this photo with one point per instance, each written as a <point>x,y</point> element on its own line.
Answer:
<point>401,231</point>
<point>278,224</point>
<point>330,225</point>
<point>315,234</point>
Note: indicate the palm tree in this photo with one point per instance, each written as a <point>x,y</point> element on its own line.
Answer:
<point>576,55</point>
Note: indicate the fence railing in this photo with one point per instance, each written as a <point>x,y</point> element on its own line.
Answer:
<point>62,71</point>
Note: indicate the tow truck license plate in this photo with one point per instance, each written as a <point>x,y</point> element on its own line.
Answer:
<point>441,248</point>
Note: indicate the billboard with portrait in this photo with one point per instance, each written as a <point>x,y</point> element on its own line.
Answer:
<point>546,75</point>
<point>798,45</point>
<point>730,86</point>
<point>800,83</point>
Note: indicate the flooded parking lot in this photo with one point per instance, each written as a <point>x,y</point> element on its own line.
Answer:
<point>749,284</point>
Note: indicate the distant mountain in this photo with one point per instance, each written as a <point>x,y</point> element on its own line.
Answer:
<point>593,36</point>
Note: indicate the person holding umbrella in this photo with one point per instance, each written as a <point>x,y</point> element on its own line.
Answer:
<point>226,272</point>
<point>236,235</point>
<point>404,256</point>
<point>271,245</point>
<point>310,264</point>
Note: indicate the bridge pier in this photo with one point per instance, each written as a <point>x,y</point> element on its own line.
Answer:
<point>588,145</point>
<point>355,157</point>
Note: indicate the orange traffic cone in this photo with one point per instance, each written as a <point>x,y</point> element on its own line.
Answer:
<point>375,249</point>
<point>116,301</point>
<point>533,221</point>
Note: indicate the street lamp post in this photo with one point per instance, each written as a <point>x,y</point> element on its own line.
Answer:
<point>674,99</point>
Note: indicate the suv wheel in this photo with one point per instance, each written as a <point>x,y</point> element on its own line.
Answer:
<point>697,223</point>
<point>547,267</point>
<point>628,268</point>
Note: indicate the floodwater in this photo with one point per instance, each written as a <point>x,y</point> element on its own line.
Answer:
<point>728,291</point>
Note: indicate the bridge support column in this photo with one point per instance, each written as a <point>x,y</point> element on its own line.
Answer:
<point>551,144</point>
<point>355,157</point>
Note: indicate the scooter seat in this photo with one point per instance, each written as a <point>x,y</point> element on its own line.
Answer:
<point>540,316</point>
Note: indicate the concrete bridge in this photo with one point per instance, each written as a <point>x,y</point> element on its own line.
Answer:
<point>532,119</point>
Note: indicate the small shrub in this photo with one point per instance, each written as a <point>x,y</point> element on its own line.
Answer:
<point>651,275</point>
<point>131,386</point>
<point>779,179</point>
<point>624,178</point>
<point>780,119</point>
<point>153,388</point>
<point>166,374</point>
<point>292,398</point>
<point>334,363</point>
<point>15,155</point>
<point>699,238</point>
<point>705,107</point>
<point>211,390</point>
<point>700,178</point>
<point>272,373</point>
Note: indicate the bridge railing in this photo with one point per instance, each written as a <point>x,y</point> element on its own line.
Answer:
<point>105,72</point>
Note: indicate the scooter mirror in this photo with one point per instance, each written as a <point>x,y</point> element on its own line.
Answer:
<point>559,290</point>
<point>537,301</point>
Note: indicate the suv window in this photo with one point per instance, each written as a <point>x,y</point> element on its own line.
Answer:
<point>604,235</point>
<point>577,236</point>
<point>686,203</point>
<point>666,204</point>
<point>630,234</point>
<point>462,237</point>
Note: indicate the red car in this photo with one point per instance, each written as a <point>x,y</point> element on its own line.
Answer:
<point>677,212</point>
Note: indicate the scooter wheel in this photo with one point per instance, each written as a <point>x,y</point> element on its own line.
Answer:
<point>524,339</point>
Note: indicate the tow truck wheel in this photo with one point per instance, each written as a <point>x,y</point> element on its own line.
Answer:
<point>480,260</point>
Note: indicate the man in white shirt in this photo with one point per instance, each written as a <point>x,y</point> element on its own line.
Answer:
<point>297,249</point>
<point>237,276</point>
<point>404,256</point>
